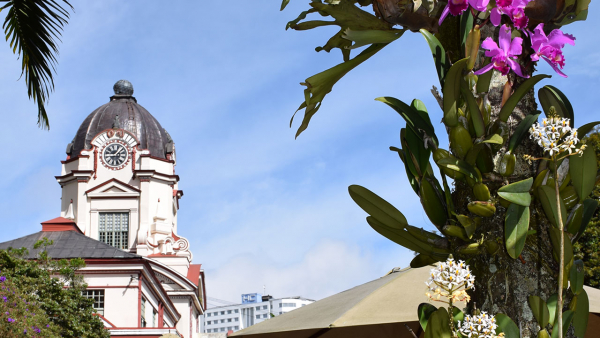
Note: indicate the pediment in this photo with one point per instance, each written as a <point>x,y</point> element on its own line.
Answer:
<point>113,188</point>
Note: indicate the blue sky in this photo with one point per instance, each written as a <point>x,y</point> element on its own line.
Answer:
<point>260,208</point>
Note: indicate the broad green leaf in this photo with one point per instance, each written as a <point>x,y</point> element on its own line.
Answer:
<point>284,3</point>
<point>552,302</point>
<point>567,317</point>
<point>583,172</point>
<point>550,96</point>
<point>424,311</point>
<point>548,200</point>
<point>520,186</point>
<point>576,277</point>
<point>494,138</point>
<point>543,334</point>
<point>438,325</point>
<point>516,224</point>
<point>412,161</point>
<point>418,106</point>
<point>520,198</point>
<point>422,260</point>
<point>460,166</point>
<point>589,207</point>
<point>586,128</point>
<point>321,84</point>
<point>377,207</point>
<point>539,309</point>
<point>514,99</point>
<point>451,92</point>
<point>411,178</point>
<point>506,325</point>
<point>457,315</point>
<point>582,314</point>
<point>442,62</point>
<point>476,116</point>
<point>575,218</point>
<point>417,147</point>
<point>368,37</point>
<point>404,238</point>
<point>413,118</point>
<point>483,82</point>
<point>466,24</point>
<point>522,131</point>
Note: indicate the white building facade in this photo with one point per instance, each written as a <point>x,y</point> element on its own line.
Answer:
<point>223,319</point>
<point>120,202</point>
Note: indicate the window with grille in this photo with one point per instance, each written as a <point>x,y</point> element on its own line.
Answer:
<point>98,297</point>
<point>114,229</point>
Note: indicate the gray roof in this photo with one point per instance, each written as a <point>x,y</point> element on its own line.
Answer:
<point>132,117</point>
<point>67,244</point>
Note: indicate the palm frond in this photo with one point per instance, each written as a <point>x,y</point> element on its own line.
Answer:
<point>32,27</point>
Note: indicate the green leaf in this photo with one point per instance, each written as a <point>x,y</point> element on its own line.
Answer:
<point>466,24</point>
<point>567,317</point>
<point>442,62</point>
<point>412,162</point>
<point>419,107</point>
<point>414,119</point>
<point>438,325</point>
<point>422,260</point>
<point>506,325</point>
<point>586,128</point>
<point>377,207</point>
<point>589,208</point>
<point>514,99</point>
<point>368,37</point>
<point>576,277</point>
<point>457,315</point>
<point>424,311</point>
<point>451,92</point>
<point>284,3</point>
<point>476,116</point>
<point>520,198</point>
<point>522,131</point>
<point>540,310</point>
<point>548,200</point>
<point>552,302</point>
<point>555,239</point>
<point>516,224</point>
<point>417,148</point>
<point>550,96</point>
<point>483,82</point>
<point>583,172</point>
<point>494,139</point>
<point>411,178</point>
<point>582,314</point>
<point>520,186</point>
<point>321,84</point>
<point>460,166</point>
<point>543,334</point>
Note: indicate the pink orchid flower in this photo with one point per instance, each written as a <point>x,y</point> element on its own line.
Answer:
<point>515,9</point>
<point>550,47</point>
<point>456,7</point>
<point>503,56</point>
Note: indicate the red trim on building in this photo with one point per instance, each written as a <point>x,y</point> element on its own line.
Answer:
<point>106,320</point>
<point>161,313</point>
<point>194,273</point>
<point>60,224</point>
<point>140,300</point>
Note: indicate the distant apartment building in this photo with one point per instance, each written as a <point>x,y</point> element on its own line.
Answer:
<point>254,309</point>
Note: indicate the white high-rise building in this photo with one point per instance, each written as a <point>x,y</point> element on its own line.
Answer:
<point>253,310</point>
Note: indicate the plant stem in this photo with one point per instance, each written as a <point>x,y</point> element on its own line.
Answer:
<point>451,317</point>
<point>561,268</point>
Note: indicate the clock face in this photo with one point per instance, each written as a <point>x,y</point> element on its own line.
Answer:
<point>115,155</point>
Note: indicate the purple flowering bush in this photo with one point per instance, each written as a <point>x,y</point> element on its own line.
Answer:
<point>20,315</point>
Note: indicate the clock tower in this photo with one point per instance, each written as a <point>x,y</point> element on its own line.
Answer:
<point>119,183</point>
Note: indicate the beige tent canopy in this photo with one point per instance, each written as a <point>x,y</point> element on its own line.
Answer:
<point>385,307</point>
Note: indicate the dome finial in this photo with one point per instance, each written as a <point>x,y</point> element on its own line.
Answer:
<point>123,88</point>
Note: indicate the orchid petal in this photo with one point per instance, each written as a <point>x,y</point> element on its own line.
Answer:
<point>480,5</point>
<point>444,14</point>
<point>555,67</point>
<point>504,38</point>
<point>495,16</point>
<point>516,47</point>
<point>484,69</point>
<point>516,67</point>
<point>558,39</point>
<point>490,44</point>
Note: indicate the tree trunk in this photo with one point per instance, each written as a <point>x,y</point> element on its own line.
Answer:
<point>503,284</point>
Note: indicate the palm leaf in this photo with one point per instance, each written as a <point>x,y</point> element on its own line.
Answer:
<point>32,27</point>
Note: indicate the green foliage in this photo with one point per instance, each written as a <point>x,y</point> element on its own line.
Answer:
<point>32,26</point>
<point>588,246</point>
<point>540,310</point>
<point>425,310</point>
<point>438,325</point>
<point>65,308</point>
<point>506,325</point>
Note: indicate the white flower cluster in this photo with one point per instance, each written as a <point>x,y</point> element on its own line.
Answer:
<point>450,280</point>
<point>556,136</point>
<point>480,326</point>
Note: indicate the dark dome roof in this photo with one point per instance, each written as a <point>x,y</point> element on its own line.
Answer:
<point>131,117</point>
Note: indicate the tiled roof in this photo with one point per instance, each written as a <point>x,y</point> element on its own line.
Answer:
<point>68,244</point>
